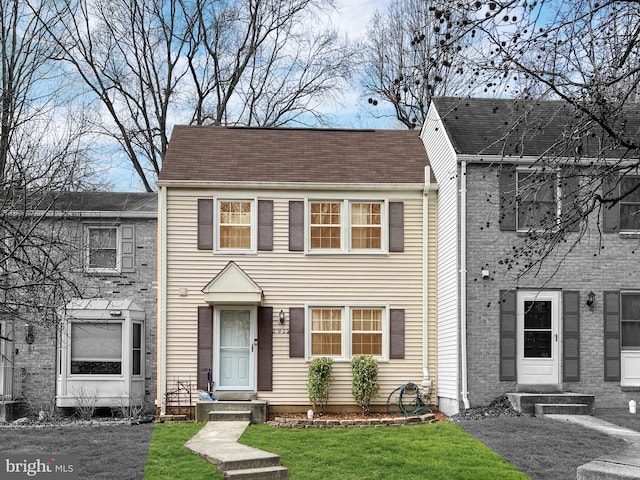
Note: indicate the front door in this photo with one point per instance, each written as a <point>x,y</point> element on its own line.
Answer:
<point>235,348</point>
<point>538,343</point>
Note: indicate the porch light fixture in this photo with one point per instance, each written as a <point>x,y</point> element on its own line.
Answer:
<point>591,298</point>
<point>281,316</point>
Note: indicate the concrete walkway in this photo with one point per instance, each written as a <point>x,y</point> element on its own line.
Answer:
<point>623,464</point>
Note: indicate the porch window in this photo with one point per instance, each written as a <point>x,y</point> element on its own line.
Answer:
<point>537,194</point>
<point>235,224</point>
<point>630,321</point>
<point>96,348</point>
<point>630,204</point>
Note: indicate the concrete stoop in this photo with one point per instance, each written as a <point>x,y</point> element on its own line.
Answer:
<point>217,443</point>
<point>565,403</point>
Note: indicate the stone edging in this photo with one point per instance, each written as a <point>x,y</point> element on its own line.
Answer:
<point>299,423</point>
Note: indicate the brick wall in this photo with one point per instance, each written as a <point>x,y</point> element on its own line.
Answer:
<point>597,263</point>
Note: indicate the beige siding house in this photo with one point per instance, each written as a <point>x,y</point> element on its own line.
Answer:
<point>277,246</point>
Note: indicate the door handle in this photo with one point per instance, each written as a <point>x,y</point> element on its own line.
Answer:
<point>255,342</point>
<point>556,337</point>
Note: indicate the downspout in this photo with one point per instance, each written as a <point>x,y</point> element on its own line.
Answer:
<point>161,313</point>
<point>463,281</point>
<point>426,381</point>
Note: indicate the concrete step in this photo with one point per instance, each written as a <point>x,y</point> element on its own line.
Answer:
<point>526,402</point>
<point>258,409</point>
<point>542,409</point>
<point>173,418</point>
<point>242,457</point>
<point>265,473</point>
<point>229,416</point>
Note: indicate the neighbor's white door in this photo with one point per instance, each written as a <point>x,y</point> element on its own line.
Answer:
<point>235,348</point>
<point>538,342</point>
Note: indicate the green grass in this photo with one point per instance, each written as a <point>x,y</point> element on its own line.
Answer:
<point>427,452</point>
<point>169,459</point>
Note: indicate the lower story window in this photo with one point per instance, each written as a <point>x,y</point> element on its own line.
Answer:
<point>96,348</point>
<point>630,328</point>
<point>346,331</point>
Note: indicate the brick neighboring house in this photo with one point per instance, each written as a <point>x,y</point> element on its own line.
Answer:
<point>573,327</point>
<point>277,246</point>
<point>105,343</point>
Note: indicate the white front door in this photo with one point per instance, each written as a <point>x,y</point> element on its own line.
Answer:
<point>538,342</point>
<point>235,348</point>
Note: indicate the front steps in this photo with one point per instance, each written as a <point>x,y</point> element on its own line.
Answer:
<point>257,408</point>
<point>539,404</point>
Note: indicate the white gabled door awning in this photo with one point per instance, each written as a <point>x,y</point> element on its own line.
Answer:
<point>232,286</point>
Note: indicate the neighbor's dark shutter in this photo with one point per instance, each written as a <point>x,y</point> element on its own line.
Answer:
<point>205,224</point>
<point>507,183</point>
<point>611,336</point>
<point>265,225</point>
<point>508,346</point>
<point>610,213</point>
<point>296,226</point>
<point>396,226</point>
<point>265,348</point>
<point>128,248</point>
<point>570,186</point>
<point>571,336</point>
<point>396,333</point>
<point>296,332</point>
<point>205,346</point>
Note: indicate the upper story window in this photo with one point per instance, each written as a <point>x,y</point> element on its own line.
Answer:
<point>345,331</point>
<point>630,204</point>
<point>537,199</point>
<point>109,248</point>
<point>235,220</point>
<point>353,226</point>
<point>630,320</point>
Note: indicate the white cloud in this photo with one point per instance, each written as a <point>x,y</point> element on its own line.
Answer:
<point>352,16</point>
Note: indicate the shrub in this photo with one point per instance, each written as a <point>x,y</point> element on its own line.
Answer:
<point>320,370</point>
<point>365,387</point>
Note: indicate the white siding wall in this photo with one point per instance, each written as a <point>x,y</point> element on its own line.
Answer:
<point>291,279</point>
<point>444,163</point>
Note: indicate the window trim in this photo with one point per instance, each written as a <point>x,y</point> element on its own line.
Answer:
<point>347,330</point>
<point>141,349</point>
<point>87,237</point>
<point>346,227</point>
<point>253,248</point>
<point>558,192</point>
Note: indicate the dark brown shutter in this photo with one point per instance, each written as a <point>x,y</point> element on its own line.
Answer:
<point>296,226</point>
<point>296,332</point>
<point>396,226</point>
<point>205,224</point>
<point>571,336</point>
<point>611,336</point>
<point>265,225</point>
<point>396,333</point>
<point>128,248</point>
<point>205,347</point>
<point>265,348</point>
<point>508,342</point>
<point>610,213</point>
<point>570,187</point>
<point>507,182</point>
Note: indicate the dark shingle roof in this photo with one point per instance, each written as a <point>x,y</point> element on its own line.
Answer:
<point>514,127</point>
<point>233,154</point>
<point>106,202</point>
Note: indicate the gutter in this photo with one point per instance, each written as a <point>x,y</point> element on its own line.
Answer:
<point>463,282</point>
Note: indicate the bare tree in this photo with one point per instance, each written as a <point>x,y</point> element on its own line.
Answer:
<point>408,57</point>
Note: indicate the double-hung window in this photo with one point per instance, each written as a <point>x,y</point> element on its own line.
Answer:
<point>347,226</point>
<point>235,221</point>
<point>537,196</point>
<point>103,249</point>
<point>630,321</point>
<point>341,332</point>
<point>630,204</point>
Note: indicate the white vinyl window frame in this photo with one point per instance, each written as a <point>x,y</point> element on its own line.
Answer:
<point>626,202</point>
<point>253,247</point>
<point>346,225</point>
<point>346,329</point>
<point>88,325</point>
<point>88,228</point>
<point>525,171</point>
